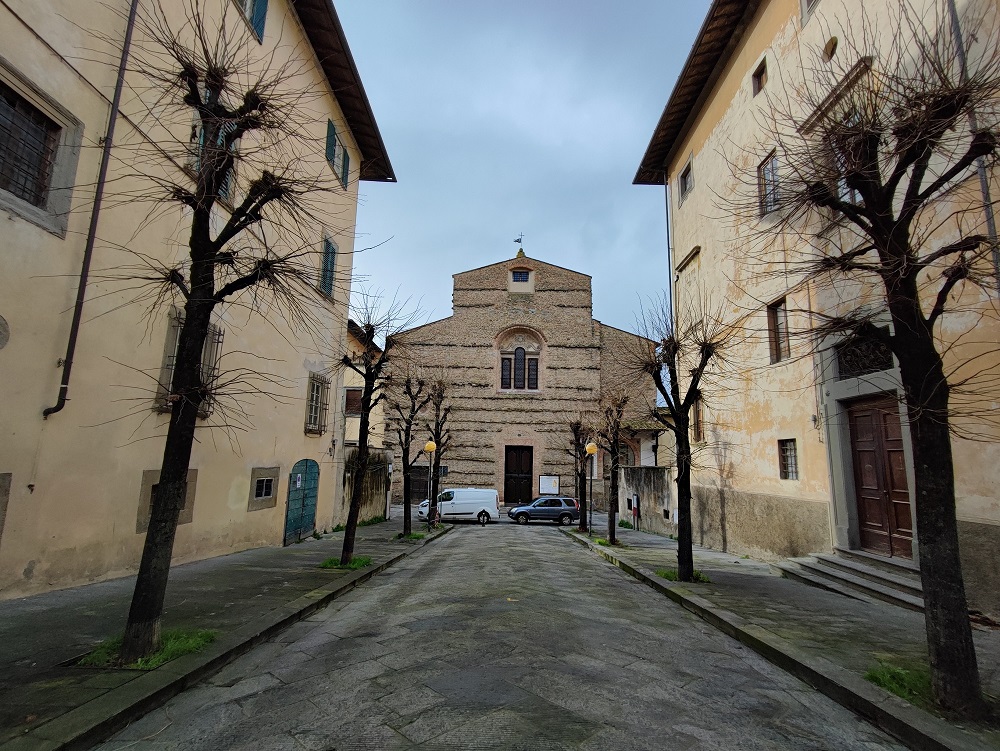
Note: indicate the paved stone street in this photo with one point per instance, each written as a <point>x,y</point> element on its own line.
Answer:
<point>501,637</point>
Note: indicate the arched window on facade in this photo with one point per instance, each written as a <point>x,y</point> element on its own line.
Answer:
<point>520,352</point>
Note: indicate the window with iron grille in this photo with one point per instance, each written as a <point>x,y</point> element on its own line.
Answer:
<point>352,402</point>
<point>210,354</point>
<point>28,143</point>
<point>788,459</point>
<point>264,487</point>
<point>505,372</point>
<point>777,331</point>
<point>861,355</point>
<point>520,275</point>
<point>698,421</point>
<point>317,403</point>
<point>336,154</point>
<point>767,184</point>
<point>328,267</point>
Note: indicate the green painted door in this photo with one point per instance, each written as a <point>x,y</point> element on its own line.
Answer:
<point>303,488</point>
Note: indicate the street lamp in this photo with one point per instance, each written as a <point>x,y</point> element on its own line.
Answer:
<point>591,450</point>
<point>429,448</point>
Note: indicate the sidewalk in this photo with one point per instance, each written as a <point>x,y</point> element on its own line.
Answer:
<point>244,596</point>
<point>825,638</point>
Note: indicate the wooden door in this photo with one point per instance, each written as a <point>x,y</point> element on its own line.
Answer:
<point>881,490</point>
<point>303,489</point>
<point>517,477</point>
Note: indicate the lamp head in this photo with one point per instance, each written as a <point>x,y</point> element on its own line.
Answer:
<point>430,447</point>
<point>591,448</point>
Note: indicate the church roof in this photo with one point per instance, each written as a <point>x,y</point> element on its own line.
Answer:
<point>521,257</point>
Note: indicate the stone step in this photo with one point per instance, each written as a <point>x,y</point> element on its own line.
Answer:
<point>904,581</point>
<point>897,566</point>
<point>815,572</point>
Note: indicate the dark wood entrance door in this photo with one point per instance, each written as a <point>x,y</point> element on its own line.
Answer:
<point>880,486</point>
<point>517,477</point>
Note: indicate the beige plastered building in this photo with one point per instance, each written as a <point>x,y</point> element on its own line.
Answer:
<point>523,357</point>
<point>75,487</point>
<point>779,456</point>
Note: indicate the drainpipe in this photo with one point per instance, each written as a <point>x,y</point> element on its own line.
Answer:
<point>670,250</point>
<point>88,252</point>
<point>984,185</point>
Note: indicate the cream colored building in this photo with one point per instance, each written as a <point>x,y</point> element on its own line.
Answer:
<point>780,443</point>
<point>75,487</point>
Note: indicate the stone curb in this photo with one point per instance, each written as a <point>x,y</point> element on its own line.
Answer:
<point>914,727</point>
<point>90,723</point>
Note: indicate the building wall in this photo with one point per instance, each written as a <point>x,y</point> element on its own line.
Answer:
<point>76,478</point>
<point>741,503</point>
<point>551,316</point>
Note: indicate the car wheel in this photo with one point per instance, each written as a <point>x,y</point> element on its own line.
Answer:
<point>565,520</point>
<point>484,518</point>
<point>521,518</point>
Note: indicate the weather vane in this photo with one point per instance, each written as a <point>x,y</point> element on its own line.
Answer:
<point>519,238</point>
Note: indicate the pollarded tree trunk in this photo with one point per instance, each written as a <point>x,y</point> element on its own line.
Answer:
<point>142,631</point>
<point>360,472</point>
<point>952,653</point>
<point>613,495</point>
<point>407,506</point>
<point>685,555</point>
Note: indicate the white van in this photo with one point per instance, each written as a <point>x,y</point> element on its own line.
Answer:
<point>474,504</point>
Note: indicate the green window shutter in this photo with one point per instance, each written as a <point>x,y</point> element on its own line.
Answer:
<point>329,267</point>
<point>331,143</point>
<point>346,170</point>
<point>259,17</point>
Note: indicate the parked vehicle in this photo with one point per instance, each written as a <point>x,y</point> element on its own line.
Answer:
<point>456,504</point>
<point>550,508</point>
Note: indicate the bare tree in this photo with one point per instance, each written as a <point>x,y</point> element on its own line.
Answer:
<point>609,434</point>
<point>877,154</point>
<point>577,449</point>
<point>375,329</point>
<point>407,400</point>
<point>212,105</point>
<point>678,365</point>
<point>440,433</point>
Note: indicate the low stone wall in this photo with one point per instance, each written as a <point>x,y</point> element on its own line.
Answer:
<point>978,545</point>
<point>376,482</point>
<point>763,526</point>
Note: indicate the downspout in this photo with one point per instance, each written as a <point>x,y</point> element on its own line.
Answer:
<point>984,185</point>
<point>670,250</point>
<point>88,252</point>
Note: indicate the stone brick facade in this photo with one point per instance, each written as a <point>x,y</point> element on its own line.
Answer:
<point>544,311</point>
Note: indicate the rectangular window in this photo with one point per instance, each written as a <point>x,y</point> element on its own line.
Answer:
<point>520,276</point>
<point>533,373</point>
<point>760,77</point>
<point>777,331</point>
<point>226,187</point>
<point>697,421</point>
<point>767,184</point>
<point>256,13</point>
<point>352,402</point>
<point>328,267</point>
<point>336,154</point>
<point>505,371</point>
<point>264,488</point>
<point>846,139</point>
<point>317,404</point>
<point>788,459</point>
<point>686,181</point>
<point>210,354</point>
<point>28,143</point>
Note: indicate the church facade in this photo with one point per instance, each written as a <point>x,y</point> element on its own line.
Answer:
<point>523,357</point>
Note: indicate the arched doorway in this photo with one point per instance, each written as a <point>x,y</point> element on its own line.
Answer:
<point>303,488</point>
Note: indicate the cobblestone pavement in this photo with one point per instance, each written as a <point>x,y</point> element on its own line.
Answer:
<point>502,637</point>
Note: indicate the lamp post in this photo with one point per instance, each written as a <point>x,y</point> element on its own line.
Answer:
<point>429,448</point>
<point>591,450</point>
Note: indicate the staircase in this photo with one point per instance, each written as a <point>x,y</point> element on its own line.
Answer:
<point>861,575</point>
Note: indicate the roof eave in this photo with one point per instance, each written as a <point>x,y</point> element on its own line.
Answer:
<point>326,35</point>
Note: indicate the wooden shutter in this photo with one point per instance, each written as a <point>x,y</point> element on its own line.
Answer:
<point>331,143</point>
<point>328,268</point>
<point>259,17</point>
<point>346,169</point>
<point>352,401</point>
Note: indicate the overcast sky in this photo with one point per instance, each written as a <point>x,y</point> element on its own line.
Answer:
<point>509,117</point>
